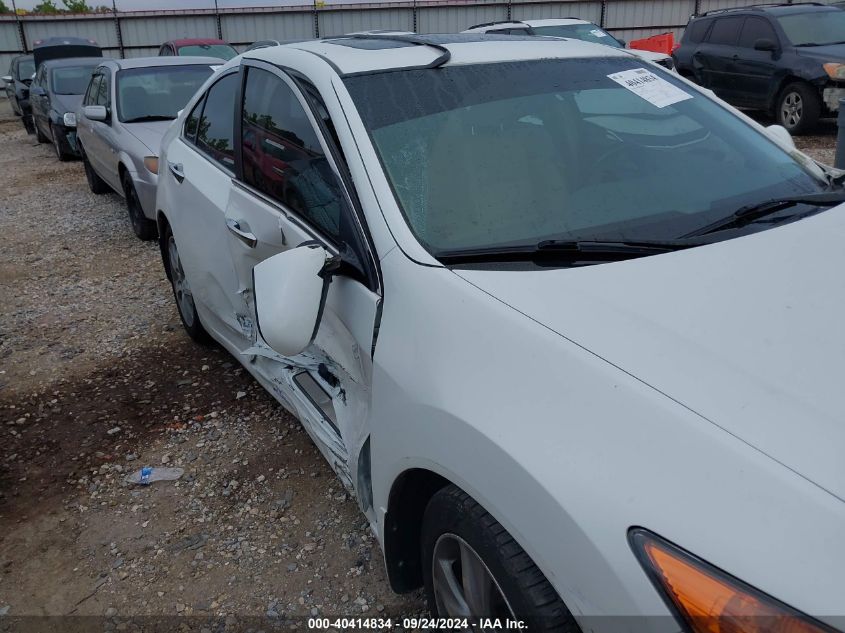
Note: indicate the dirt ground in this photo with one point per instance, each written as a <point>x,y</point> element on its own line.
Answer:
<point>96,379</point>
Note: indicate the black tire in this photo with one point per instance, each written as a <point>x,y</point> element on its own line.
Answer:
<point>186,308</point>
<point>527,593</point>
<point>38,135</point>
<point>798,108</point>
<point>27,124</point>
<point>96,184</point>
<point>144,228</point>
<point>61,154</point>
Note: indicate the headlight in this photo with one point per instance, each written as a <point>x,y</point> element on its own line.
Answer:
<point>70,119</point>
<point>151,163</point>
<point>834,70</point>
<point>709,600</point>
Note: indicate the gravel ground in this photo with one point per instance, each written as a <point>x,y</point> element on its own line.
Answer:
<point>96,379</point>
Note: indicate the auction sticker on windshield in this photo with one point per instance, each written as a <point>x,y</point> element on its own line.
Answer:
<point>650,87</point>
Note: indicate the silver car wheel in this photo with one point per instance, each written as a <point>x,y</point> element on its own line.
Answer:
<point>184,298</point>
<point>463,585</point>
<point>792,109</point>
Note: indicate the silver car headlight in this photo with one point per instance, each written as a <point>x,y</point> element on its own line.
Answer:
<point>70,119</point>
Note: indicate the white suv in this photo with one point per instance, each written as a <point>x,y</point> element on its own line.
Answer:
<point>572,28</point>
<point>568,326</point>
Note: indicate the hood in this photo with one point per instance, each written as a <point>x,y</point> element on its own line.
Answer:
<point>647,55</point>
<point>65,103</point>
<point>831,53</point>
<point>149,133</point>
<point>749,333</point>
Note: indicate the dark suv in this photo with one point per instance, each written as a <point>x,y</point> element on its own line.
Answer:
<point>787,59</point>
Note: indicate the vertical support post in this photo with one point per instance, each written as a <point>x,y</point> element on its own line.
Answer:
<point>316,22</point>
<point>117,29</point>
<point>696,8</point>
<point>839,160</point>
<point>414,16</point>
<point>21,33</point>
<point>217,20</point>
<point>510,11</point>
<point>603,14</point>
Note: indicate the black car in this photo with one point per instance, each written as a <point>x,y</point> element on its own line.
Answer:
<point>55,95</point>
<point>17,87</point>
<point>62,48</point>
<point>786,59</point>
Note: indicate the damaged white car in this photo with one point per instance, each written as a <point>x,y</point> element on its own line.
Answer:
<point>570,327</point>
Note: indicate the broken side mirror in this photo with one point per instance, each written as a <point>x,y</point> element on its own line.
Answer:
<point>290,289</point>
<point>781,135</point>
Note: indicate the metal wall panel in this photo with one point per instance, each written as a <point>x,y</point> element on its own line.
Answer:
<point>149,51</point>
<point>709,5</point>
<point>536,11</point>
<point>152,31</point>
<point>650,13</point>
<point>346,21</point>
<point>251,27</point>
<point>451,19</point>
<point>9,40</point>
<point>100,30</point>
<point>5,61</point>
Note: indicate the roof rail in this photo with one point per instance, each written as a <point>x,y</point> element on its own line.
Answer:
<point>760,7</point>
<point>478,26</point>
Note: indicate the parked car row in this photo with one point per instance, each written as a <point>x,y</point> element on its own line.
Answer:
<point>545,306</point>
<point>786,59</point>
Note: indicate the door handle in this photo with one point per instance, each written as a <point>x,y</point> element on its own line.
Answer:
<point>177,170</point>
<point>244,236</point>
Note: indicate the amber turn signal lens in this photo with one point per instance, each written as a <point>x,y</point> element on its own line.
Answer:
<point>710,601</point>
<point>151,163</point>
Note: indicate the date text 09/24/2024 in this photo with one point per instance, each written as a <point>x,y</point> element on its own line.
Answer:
<point>446,624</point>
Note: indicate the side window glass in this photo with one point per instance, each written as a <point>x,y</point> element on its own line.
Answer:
<point>192,122</point>
<point>91,93</point>
<point>215,131</point>
<point>726,31</point>
<point>282,155</point>
<point>103,96</point>
<point>756,29</point>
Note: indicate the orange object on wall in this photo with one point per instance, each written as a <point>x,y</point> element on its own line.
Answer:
<point>656,43</point>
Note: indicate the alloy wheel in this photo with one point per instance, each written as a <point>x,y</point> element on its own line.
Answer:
<point>792,109</point>
<point>463,585</point>
<point>184,299</point>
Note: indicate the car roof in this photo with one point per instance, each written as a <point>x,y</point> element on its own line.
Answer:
<point>521,23</point>
<point>193,41</point>
<point>376,53</point>
<point>773,9</point>
<point>65,62</point>
<point>153,62</point>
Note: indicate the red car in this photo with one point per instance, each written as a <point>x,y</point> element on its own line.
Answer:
<point>202,46</point>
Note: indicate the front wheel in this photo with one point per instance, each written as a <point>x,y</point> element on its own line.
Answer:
<point>27,124</point>
<point>798,108</point>
<point>182,291</point>
<point>143,228</point>
<point>474,569</point>
<point>38,134</point>
<point>61,154</point>
<point>96,184</point>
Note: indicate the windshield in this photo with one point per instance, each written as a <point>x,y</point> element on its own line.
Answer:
<point>520,152</point>
<point>817,28</point>
<point>586,32</point>
<point>71,80</point>
<point>26,69</point>
<point>222,51</point>
<point>159,92</point>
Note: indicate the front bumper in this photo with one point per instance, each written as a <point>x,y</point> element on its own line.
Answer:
<point>146,189</point>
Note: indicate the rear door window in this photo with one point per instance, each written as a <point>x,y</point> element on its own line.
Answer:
<point>725,31</point>
<point>696,31</point>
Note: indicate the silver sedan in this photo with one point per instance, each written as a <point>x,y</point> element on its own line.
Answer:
<point>128,106</point>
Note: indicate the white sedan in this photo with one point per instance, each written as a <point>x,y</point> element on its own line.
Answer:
<point>570,327</point>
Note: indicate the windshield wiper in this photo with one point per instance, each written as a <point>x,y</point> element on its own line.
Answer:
<point>151,117</point>
<point>820,44</point>
<point>749,213</point>
<point>567,251</point>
